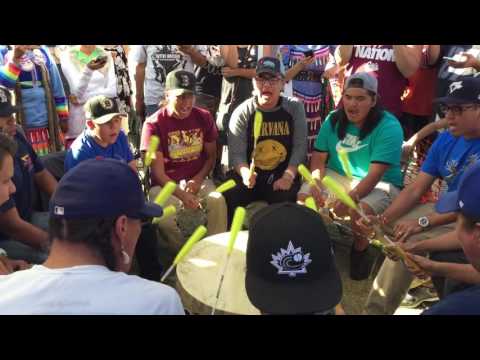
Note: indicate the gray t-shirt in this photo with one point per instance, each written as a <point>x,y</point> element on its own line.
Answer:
<point>160,60</point>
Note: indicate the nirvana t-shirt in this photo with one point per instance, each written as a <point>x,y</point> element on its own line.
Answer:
<point>182,141</point>
<point>85,147</point>
<point>26,165</point>
<point>160,60</point>
<point>382,145</point>
<point>450,156</point>
<point>379,61</point>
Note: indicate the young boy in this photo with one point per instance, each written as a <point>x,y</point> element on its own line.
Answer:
<point>103,137</point>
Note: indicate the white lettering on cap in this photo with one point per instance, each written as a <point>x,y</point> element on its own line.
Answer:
<point>291,261</point>
<point>59,210</point>
<point>461,204</point>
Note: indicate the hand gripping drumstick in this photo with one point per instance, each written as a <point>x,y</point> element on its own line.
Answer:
<point>163,195</point>
<point>238,219</point>
<point>342,195</point>
<point>389,245</point>
<point>307,175</point>
<point>257,128</point>
<point>152,148</point>
<point>343,157</point>
<point>196,236</point>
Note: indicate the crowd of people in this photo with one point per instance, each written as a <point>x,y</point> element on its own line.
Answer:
<point>76,195</point>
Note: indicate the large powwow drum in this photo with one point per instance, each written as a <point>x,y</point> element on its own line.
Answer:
<point>199,275</point>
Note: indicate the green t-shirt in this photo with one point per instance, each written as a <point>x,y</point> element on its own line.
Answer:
<point>383,145</point>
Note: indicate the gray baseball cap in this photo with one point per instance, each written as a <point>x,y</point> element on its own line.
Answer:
<point>369,82</point>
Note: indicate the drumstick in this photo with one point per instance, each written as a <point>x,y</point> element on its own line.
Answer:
<point>343,157</point>
<point>167,212</point>
<point>152,148</point>
<point>391,246</point>
<point>257,128</point>
<point>167,190</point>
<point>342,195</point>
<point>310,203</point>
<point>196,236</point>
<point>307,175</point>
<point>227,185</point>
<point>238,219</point>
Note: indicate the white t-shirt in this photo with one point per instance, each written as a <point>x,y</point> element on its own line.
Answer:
<point>84,290</point>
<point>160,60</point>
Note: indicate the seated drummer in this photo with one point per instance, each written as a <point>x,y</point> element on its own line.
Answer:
<point>281,147</point>
<point>372,139</point>
<point>290,263</point>
<point>187,151</point>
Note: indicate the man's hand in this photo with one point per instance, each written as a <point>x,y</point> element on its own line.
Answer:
<point>193,186</point>
<point>96,65</point>
<point>282,184</point>
<point>249,180</point>
<point>73,99</point>
<point>404,229</point>
<point>407,149</point>
<point>340,209</point>
<point>189,200</point>
<point>318,196</point>
<point>229,72</point>
<point>18,52</point>
<point>467,60</point>
<point>7,266</point>
<point>427,266</point>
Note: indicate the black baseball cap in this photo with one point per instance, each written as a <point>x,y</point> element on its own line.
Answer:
<point>6,107</point>
<point>101,188</point>
<point>269,65</point>
<point>290,262</point>
<point>181,82</point>
<point>101,109</point>
<point>463,91</point>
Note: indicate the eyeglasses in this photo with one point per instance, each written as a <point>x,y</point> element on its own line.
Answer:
<point>271,81</point>
<point>456,109</point>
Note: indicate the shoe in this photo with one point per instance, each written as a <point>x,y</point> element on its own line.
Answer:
<point>418,296</point>
<point>360,264</point>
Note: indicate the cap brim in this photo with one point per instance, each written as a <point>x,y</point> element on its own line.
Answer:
<point>106,118</point>
<point>450,100</point>
<point>295,296</point>
<point>10,110</point>
<point>151,210</point>
<point>270,72</point>
<point>447,203</point>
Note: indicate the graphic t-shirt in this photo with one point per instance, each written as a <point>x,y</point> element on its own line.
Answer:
<point>160,60</point>
<point>379,61</point>
<point>382,145</point>
<point>85,147</point>
<point>209,77</point>
<point>182,141</point>
<point>309,86</point>
<point>26,165</point>
<point>449,156</point>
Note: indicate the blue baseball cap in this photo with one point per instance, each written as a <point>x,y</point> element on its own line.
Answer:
<point>463,91</point>
<point>101,188</point>
<point>467,198</point>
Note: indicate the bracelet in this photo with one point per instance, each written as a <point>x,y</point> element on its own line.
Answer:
<point>289,172</point>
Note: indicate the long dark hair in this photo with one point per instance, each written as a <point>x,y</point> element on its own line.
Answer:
<point>373,117</point>
<point>93,233</point>
<point>7,146</point>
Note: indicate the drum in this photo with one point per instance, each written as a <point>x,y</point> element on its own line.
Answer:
<point>198,277</point>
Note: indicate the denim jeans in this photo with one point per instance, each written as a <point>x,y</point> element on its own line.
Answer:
<point>19,251</point>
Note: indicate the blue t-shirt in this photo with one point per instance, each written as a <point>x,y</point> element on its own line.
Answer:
<point>85,147</point>
<point>466,302</point>
<point>26,165</point>
<point>449,156</point>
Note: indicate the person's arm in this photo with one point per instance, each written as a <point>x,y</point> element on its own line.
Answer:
<point>343,54</point>
<point>427,130</point>
<point>433,54</point>
<point>57,89</point>
<point>445,242</point>
<point>237,140</point>
<point>407,58</point>
<point>139,88</point>
<point>245,73</point>
<point>459,272</point>
<point>299,66</point>
<point>230,55</point>
<point>368,183</point>
<point>299,148</point>
<point>15,227</point>
<point>46,182</point>
<point>408,197</point>
<point>10,72</point>
<point>469,61</point>
<point>197,57</point>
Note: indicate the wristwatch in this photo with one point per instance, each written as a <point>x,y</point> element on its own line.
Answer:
<point>423,222</point>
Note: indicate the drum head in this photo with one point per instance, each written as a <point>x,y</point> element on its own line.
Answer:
<point>199,276</point>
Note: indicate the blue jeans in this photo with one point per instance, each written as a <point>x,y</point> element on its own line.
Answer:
<point>150,109</point>
<point>19,251</point>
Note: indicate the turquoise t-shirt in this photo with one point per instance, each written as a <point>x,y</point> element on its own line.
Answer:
<point>383,145</point>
